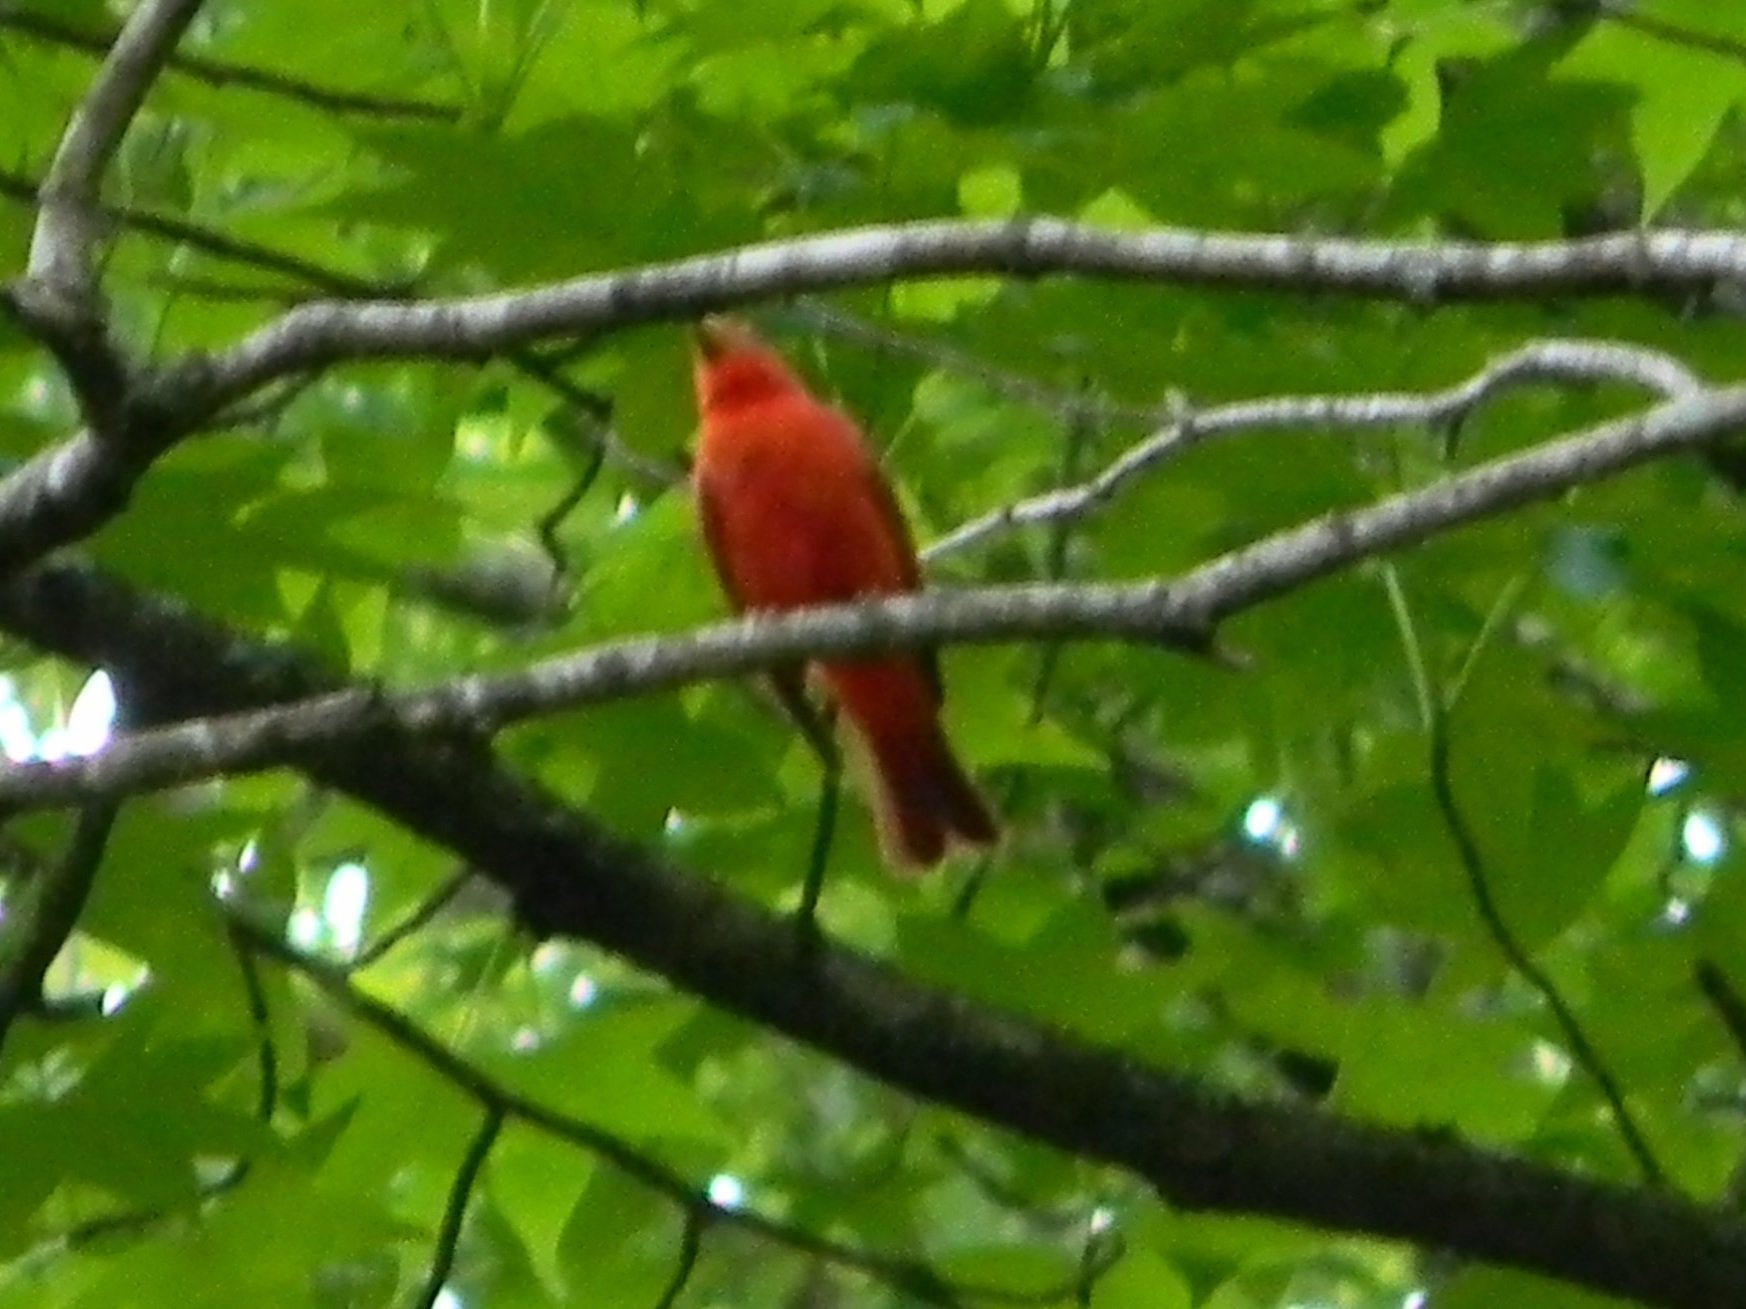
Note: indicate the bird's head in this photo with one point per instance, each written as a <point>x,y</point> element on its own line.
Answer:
<point>733,366</point>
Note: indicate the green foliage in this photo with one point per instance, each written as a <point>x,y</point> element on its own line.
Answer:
<point>392,519</point>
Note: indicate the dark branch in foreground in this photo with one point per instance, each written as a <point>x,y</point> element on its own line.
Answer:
<point>1199,1147</point>
<point>1180,613</point>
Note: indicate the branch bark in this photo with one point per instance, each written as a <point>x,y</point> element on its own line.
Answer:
<point>50,913</point>
<point>1199,1147</point>
<point>1182,613</point>
<point>320,334</point>
<point>61,254</point>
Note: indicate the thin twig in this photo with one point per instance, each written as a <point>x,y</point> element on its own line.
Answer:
<point>219,73</point>
<point>824,829</point>
<point>908,1275</point>
<point>1724,999</point>
<point>1710,43</point>
<point>261,1021</point>
<point>56,900</point>
<point>595,409</point>
<point>1587,1056</point>
<point>690,1246</point>
<point>1434,708</point>
<point>416,921</point>
<point>1069,407</point>
<point>455,1209</point>
<point>24,189</point>
<point>1537,363</point>
<point>1079,432</point>
<point>553,519</point>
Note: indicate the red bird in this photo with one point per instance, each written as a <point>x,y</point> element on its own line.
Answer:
<point>795,513</point>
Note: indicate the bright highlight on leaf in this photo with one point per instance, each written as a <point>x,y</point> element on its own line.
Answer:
<point>1666,774</point>
<point>17,739</point>
<point>304,930</point>
<point>343,904</point>
<point>726,1191</point>
<point>1265,822</point>
<point>91,719</point>
<point>1262,818</point>
<point>1703,837</point>
<point>114,996</point>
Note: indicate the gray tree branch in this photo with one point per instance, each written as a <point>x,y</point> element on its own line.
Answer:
<point>73,487</point>
<point>1540,361</point>
<point>1182,613</point>
<point>324,333</point>
<point>61,248</point>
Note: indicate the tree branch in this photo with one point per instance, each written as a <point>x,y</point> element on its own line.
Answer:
<point>455,1211</point>
<point>57,301</point>
<point>1586,1054</point>
<point>219,73</point>
<point>320,334</point>
<point>1539,361</point>
<point>56,899</point>
<point>1182,612</point>
<point>61,254</point>
<point>500,1102</point>
<point>1199,1147</point>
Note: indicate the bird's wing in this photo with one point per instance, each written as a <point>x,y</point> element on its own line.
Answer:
<point>884,502</point>
<point>787,682</point>
<point>709,514</point>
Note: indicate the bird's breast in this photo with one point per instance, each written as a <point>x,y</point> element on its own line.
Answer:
<point>797,523</point>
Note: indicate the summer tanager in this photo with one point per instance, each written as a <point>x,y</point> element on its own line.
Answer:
<point>796,512</point>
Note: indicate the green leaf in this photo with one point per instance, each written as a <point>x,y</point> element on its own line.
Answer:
<point>1682,96</point>
<point>1142,1280</point>
<point>972,65</point>
<point>1413,1067</point>
<point>1504,182</point>
<point>606,1068</point>
<point>537,1184</point>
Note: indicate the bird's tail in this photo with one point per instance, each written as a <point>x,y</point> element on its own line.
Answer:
<point>922,798</point>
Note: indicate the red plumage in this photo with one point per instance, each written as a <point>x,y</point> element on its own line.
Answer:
<point>795,513</point>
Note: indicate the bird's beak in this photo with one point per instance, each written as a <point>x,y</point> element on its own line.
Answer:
<point>710,335</point>
<point>716,334</point>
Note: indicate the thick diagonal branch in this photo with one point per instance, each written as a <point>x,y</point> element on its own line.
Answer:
<point>1199,1147</point>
